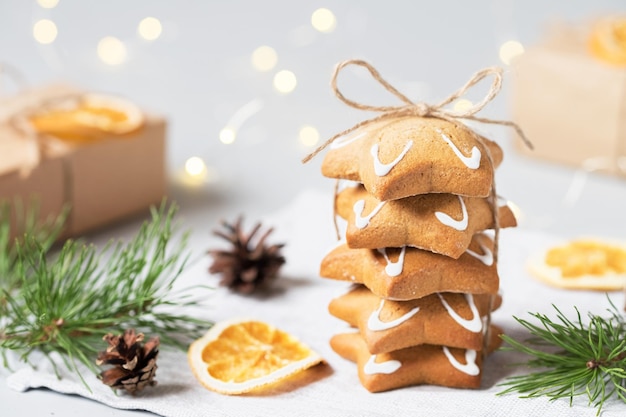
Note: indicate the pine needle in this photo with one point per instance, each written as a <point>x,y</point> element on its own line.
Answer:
<point>571,358</point>
<point>67,302</point>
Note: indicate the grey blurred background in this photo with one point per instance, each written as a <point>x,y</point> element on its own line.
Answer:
<point>198,73</point>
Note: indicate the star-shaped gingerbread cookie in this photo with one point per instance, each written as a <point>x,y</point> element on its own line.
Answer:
<point>441,223</point>
<point>421,364</point>
<point>415,155</point>
<point>450,319</point>
<point>408,273</point>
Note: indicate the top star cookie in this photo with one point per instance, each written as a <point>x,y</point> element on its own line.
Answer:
<point>414,155</point>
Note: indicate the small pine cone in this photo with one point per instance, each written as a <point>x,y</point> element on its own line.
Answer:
<point>246,266</point>
<point>134,364</point>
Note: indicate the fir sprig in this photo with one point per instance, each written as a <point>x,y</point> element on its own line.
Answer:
<point>27,223</point>
<point>68,302</point>
<point>571,358</point>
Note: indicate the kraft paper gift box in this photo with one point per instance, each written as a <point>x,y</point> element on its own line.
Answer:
<point>571,104</point>
<point>100,181</point>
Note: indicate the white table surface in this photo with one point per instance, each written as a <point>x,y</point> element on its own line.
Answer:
<point>198,75</point>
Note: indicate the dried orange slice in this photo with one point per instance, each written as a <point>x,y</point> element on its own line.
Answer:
<point>88,117</point>
<point>607,40</point>
<point>238,356</point>
<point>582,264</point>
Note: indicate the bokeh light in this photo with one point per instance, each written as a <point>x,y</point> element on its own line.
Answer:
<point>228,135</point>
<point>45,31</point>
<point>111,50</point>
<point>264,58</point>
<point>150,28</point>
<point>462,105</point>
<point>285,81</point>
<point>309,136</point>
<point>510,50</point>
<point>195,167</point>
<point>48,4</point>
<point>323,20</point>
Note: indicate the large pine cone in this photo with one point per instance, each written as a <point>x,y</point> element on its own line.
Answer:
<point>134,364</point>
<point>246,266</point>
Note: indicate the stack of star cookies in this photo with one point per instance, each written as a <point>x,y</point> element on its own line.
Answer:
<point>419,246</point>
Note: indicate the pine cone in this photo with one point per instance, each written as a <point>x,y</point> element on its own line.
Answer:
<point>134,365</point>
<point>245,266</point>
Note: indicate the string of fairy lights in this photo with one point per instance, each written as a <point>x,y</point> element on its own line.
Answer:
<point>113,51</point>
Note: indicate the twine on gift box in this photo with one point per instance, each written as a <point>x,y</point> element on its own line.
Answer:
<point>19,122</point>
<point>421,109</point>
<point>589,166</point>
<point>14,74</point>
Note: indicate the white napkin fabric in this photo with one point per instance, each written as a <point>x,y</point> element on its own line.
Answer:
<point>298,305</point>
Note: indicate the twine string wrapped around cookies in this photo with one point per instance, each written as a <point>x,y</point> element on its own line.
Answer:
<point>439,110</point>
<point>420,109</point>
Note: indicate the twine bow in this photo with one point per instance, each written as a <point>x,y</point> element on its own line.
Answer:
<point>421,109</point>
<point>31,147</point>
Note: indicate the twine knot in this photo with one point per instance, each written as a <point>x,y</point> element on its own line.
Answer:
<point>420,109</point>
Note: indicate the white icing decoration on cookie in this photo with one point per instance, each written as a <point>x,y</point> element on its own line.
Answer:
<point>393,269</point>
<point>375,324</point>
<point>388,367</point>
<point>360,221</point>
<point>487,258</point>
<point>449,221</point>
<point>474,324</point>
<point>470,368</point>
<point>383,169</point>
<point>342,141</point>
<point>472,161</point>
<point>345,184</point>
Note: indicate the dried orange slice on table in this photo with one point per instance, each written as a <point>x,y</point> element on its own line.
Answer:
<point>88,117</point>
<point>591,264</point>
<point>607,40</point>
<point>239,356</point>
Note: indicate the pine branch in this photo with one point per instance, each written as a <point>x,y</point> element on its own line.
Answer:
<point>27,223</point>
<point>68,302</point>
<point>572,359</point>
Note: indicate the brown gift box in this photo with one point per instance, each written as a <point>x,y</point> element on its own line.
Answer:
<point>570,104</point>
<point>101,181</point>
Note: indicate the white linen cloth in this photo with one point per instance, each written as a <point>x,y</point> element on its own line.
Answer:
<point>298,304</point>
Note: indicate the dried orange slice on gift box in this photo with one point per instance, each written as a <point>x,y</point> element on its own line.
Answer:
<point>607,40</point>
<point>238,356</point>
<point>88,117</point>
<point>591,264</point>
